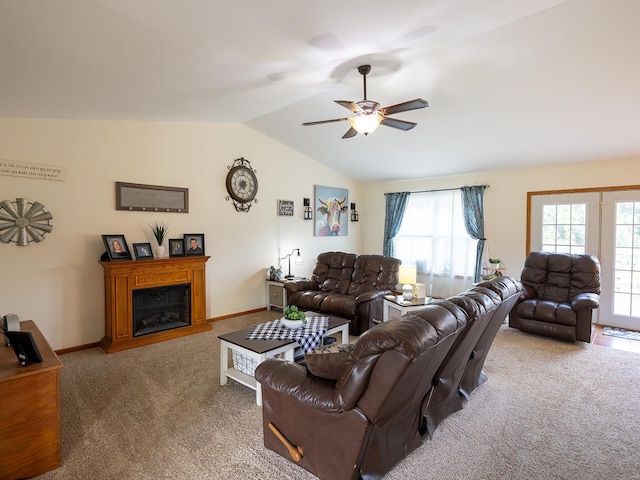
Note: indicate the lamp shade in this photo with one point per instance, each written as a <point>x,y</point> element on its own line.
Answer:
<point>407,274</point>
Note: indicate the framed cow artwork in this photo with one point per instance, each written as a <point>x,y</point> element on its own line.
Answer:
<point>331,205</point>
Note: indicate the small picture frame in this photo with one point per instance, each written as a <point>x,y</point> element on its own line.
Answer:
<point>176,247</point>
<point>142,251</point>
<point>193,244</point>
<point>285,208</point>
<point>24,346</point>
<point>117,248</point>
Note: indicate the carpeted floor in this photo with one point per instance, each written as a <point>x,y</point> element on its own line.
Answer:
<point>550,410</point>
<point>621,333</point>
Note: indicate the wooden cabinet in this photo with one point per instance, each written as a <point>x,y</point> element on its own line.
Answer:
<point>29,411</point>
<point>121,278</point>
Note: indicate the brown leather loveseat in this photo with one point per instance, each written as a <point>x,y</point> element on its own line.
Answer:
<point>348,286</point>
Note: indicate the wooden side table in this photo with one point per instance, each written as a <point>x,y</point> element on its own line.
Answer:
<point>30,440</point>
<point>276,294</point>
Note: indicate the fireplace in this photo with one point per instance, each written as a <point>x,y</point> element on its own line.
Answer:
<point>153,300</point>
<point>161,308</point>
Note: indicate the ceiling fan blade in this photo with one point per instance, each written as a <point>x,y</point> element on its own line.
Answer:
<point>404,106</point>
<point>395,123</point>
<point>352,132</point>
<point>325,121</point>
<point>353,106</point>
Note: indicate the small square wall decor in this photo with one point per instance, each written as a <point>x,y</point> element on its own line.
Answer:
<point>285,208</point>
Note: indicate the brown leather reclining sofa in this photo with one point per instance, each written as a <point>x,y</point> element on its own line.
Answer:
<point>348,286</point>
<point>355,413</point>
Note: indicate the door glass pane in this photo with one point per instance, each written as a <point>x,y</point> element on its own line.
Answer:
<point>621,303</point>
<point>635,305</point>
<point>624,236</point>
<point>623,258</point>
<point>548,214</point>
<point>578,235</point>
<point>579,214</point>
<point>623,281</point>
<point>549,234</point>
<point>564,213</point>
<point>624,213</point>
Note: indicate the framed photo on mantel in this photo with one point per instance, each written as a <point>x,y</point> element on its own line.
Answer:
<point>142,251</point>
<point>176,247</point>
<point>117,248</point>
<point>194,243</point>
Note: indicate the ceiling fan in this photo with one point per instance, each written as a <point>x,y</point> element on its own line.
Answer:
<point>369,114</point>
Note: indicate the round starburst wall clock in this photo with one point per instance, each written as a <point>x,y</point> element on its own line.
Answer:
<point>23,222</point>
<point>242,185</point>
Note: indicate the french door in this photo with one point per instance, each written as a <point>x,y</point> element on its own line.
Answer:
<point>621,259</point>
<point>605,224</point>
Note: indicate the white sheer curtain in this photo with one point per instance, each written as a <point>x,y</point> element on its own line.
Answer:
<point>433,238</point>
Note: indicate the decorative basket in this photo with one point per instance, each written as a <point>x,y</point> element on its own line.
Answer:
<point>243,363</point>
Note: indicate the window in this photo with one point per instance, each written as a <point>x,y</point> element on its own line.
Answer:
<point>564,228</point>
<point>433,238</point>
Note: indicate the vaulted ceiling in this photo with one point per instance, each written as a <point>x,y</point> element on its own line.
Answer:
<point>509,83</point>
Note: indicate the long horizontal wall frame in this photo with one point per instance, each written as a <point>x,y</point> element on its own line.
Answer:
<point>151,198</point>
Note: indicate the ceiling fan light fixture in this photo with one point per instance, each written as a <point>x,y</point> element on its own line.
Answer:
<point>367,123</point>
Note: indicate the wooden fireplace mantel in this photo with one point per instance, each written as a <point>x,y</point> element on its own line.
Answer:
<point>121,278</point>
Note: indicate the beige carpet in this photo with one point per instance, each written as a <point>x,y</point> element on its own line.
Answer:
<point>550,410</point>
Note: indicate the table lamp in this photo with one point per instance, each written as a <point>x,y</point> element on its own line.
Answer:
<point>297,261</point>
<point>407,279</point>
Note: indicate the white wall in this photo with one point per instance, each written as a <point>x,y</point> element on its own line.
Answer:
<point>59,282</point>
<point>505,200</point>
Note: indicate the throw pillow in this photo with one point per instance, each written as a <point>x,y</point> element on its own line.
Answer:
<point>328,361</point>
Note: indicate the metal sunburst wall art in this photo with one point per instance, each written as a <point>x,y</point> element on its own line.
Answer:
<point>28,221</point>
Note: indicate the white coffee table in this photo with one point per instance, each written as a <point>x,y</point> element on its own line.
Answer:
<point>257,351</point>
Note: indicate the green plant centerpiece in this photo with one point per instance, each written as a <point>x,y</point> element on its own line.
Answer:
<point>160,231</point>
<point>495,261</point>
<point>292,313</point>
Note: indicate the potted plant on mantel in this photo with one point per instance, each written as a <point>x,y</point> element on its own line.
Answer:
<point>160,230</point>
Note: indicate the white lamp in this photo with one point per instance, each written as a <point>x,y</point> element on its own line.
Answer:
<point>407,275</point>
<point>366,123</point>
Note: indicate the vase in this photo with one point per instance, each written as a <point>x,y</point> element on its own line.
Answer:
<point>160,251</point>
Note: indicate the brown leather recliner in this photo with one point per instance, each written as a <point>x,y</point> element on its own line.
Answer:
<point>509,290</point>
<point>363,423</point>
<point>487,305</point>
<point>560,293</point>
<point>348,286</point>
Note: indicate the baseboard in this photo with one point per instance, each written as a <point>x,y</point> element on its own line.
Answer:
<point>238,314</point>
